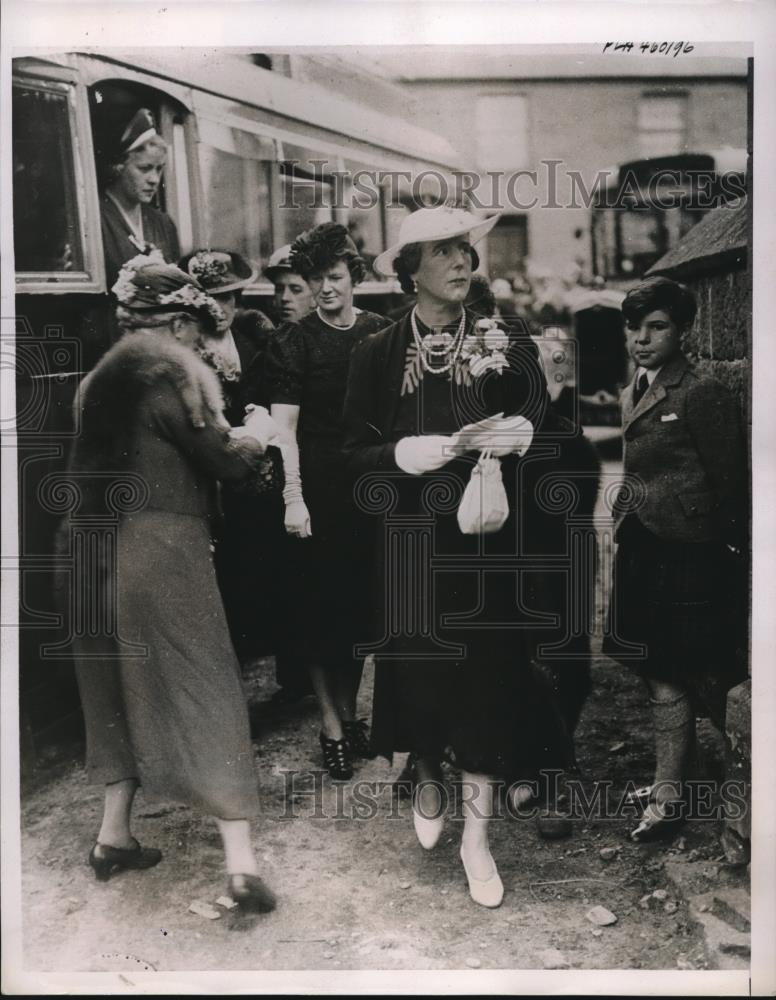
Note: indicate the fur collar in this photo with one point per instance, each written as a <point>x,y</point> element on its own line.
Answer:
<point>109,398</point>
<point>140,361</point>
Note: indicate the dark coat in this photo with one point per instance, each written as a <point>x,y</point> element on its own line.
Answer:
<point>685,448</point>
<point>559,454</point>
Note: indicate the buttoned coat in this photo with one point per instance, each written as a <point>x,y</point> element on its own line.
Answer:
<point>684,458</point>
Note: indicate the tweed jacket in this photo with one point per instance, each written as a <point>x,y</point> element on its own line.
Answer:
<point>684,458</point>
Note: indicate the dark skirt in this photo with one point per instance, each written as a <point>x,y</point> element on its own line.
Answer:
<point>328,572</point>
<point>251,563</point>
<point>477,699</point>
<point>678,613</point>
<point>175,717</point>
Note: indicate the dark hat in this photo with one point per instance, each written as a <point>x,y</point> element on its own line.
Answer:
<point>146,283</point>
<point>219,271</point>
<point>140,129</point>
<point>279,263</point>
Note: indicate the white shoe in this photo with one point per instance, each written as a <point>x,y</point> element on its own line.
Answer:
<point>487,892</point>
<point>428,831</point>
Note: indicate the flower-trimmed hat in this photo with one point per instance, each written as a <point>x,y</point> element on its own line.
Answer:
<point>428,225</point>
<point>219,271</point>
<point>147,283</point>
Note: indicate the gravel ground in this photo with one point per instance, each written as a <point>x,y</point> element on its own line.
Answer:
<point>362,894</point>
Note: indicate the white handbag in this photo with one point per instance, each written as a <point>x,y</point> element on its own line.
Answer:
<point>484,507</point>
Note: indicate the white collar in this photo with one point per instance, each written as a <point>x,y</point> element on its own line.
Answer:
<point>651,374</point>
<point>350,326</point>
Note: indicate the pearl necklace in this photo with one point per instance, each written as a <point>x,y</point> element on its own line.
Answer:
<point>426,353</point>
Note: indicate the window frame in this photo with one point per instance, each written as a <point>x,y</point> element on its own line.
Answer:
<point>683,96</point>
<point>62,80</point>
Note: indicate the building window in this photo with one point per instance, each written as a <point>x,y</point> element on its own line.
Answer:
<point>502,131</point>
<point>507,247</point>
<point>662,124</point>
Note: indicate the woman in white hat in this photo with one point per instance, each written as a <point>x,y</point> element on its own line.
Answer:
<point>425,396</point>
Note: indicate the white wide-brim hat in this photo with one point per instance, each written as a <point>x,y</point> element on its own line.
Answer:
<point>429,225</point>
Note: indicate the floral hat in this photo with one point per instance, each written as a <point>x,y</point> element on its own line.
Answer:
<point>219,271</point>
<point>148,283</point>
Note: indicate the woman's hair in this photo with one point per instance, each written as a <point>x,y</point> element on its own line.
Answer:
<point>321,248</point>
<point>660,293</point>
<point>407,262</point>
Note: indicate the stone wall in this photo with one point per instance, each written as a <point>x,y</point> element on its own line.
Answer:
<point>719,342</point>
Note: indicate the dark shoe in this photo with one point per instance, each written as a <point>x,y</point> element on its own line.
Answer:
<point>336,758</point>
<point>106,860</point>
<point>357,735</point>
<point>660,824</point>
<point>251,894</point>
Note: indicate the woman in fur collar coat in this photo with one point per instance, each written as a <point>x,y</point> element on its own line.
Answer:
<point>166,709</point>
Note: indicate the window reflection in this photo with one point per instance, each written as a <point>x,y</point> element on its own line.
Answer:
<point>47,233</point>
<point>236,178</point>
<point>305,203</point>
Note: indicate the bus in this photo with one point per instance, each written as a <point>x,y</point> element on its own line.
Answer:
<point>255,156</point>
<point>644,207</point>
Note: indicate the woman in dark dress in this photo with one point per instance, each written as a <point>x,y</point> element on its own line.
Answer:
<point>678,608</point>
<point>130,222</point>
<point>454,678</point>
<point>250,547</point>
<point>166,709</point>
<point>307,373</point>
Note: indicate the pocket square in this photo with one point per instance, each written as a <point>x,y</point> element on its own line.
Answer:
<point>668,416</point>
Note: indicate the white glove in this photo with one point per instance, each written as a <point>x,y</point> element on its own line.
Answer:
<point>498,435</point>
<point>297,519</point>
<point>416,455</point>
<point>260,425</point>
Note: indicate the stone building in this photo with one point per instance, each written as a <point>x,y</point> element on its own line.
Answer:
<point>568,113</point>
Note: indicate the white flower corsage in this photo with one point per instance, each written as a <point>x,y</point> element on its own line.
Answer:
<point>483,349</point>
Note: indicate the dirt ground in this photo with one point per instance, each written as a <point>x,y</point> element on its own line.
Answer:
<point>362,894</point>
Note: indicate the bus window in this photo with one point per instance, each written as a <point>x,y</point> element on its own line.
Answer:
<point>236,171</point>
<point>305,202</point>
<point>48,236</point>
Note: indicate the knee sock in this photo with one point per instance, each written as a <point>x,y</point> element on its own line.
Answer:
<point>674,725</point>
